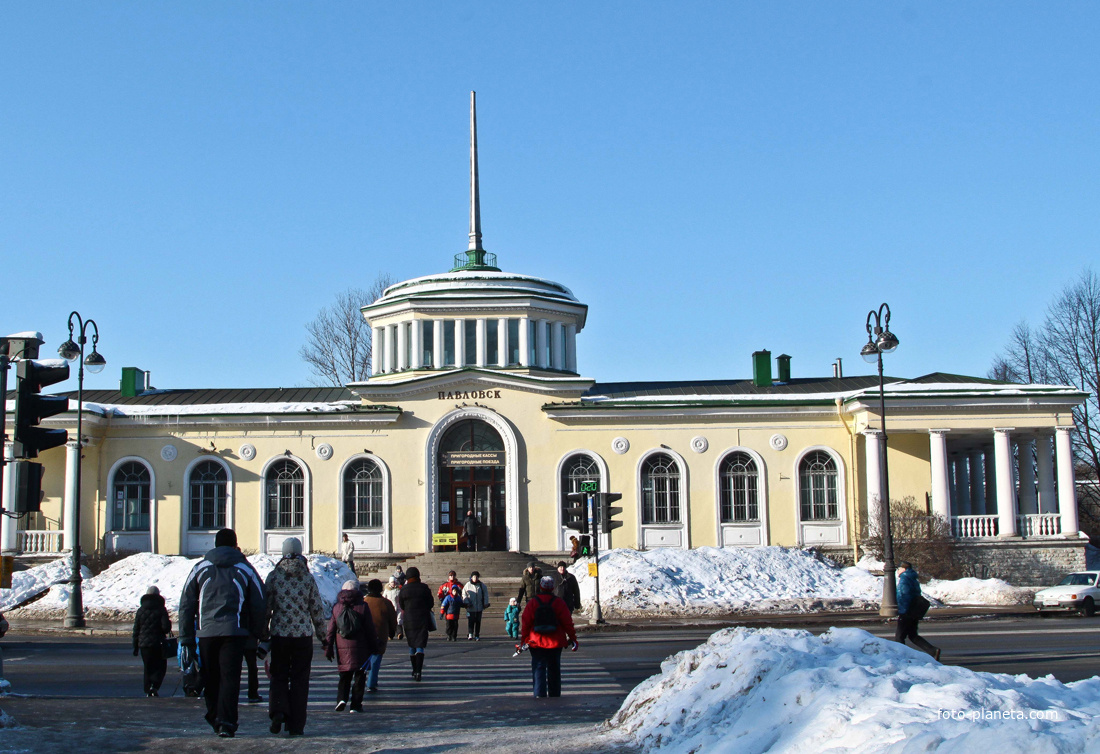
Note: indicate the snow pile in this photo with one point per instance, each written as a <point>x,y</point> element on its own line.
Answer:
<point>970,591</point>
<point>757,690</point>
<point>115,594</point>
<point>717,581</point>
<point>28,583</point>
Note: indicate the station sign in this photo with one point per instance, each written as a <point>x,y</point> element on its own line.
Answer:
<point>473,458</point>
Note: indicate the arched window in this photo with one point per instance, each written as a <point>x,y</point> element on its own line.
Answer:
<point>817,487</point>
<point>362,495</point>
<point>576,469</point>
<point>130,494</point>
<point>739,485</point>
<point>208,490</point>
<point>660,490</point>
<point>285,493</point>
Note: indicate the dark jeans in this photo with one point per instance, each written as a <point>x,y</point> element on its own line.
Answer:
<point>546,671</point>
<point>474,621</point>
<point>291,657</point>
<point>221,675</point>
<point>155,667</point>
<point>354,681</point>
<point>253,673</point>
<point>452,628</point>
<point>471,542</point>
<point>907,629</point>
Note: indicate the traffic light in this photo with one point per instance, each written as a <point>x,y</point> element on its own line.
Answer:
<point>576,516</point>
<point>27,477</point>
<point>608,512</point>
<point>31,408</point>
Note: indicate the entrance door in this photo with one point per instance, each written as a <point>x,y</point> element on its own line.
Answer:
<point>478,488</point>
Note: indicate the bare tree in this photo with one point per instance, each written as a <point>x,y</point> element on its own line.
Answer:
<point>339,347</point>
<point>1065,350</point>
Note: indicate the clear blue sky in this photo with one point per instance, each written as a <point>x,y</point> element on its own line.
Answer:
<point>710,178</point>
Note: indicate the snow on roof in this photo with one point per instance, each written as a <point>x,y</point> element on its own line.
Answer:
<point>203,409</point>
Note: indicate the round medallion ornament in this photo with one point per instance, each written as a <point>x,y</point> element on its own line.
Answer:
<point>169,452</point>
<point>620,445</point>
<point>248,452</point>
<point>324,451</point>
<point>699,444</point>
<point>778,442</point>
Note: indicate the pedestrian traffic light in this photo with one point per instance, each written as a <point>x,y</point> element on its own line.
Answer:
<point>31,408</point>
<point>608,512</point>
<point>27,477</point>
<point>576,515</point>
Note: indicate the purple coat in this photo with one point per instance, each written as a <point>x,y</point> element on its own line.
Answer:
<point>352,653</point>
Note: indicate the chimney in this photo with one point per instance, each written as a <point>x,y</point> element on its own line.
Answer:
<point>134,382</point>
<point>762,368</point>
<point>838,369</point>
<point>783,364</point>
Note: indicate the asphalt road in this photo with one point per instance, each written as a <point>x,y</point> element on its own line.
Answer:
<point>474,695</point>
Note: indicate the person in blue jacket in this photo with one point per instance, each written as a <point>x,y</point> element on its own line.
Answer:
<point>910,603</point>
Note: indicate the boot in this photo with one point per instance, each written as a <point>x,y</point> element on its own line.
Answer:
<point>418,665</point>
<point>412,661</point>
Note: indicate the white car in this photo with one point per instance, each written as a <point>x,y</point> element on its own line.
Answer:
<point>1077,591</point>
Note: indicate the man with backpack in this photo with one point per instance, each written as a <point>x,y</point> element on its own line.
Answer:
<point>546,627</point>
<point>912,606</point>
<point>224,598</point>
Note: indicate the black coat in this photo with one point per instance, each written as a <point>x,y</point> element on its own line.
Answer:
<point>151,623</point>
<point>569,590</point>
<point>530,586</point>
<point>416,600</point>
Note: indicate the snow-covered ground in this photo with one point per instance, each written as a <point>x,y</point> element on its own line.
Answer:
<point>755,690</point>
<point>25,584</point>
<point>710,580</point>
<point>115,593</point>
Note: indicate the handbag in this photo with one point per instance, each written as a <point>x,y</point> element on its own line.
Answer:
<point>432,626</point>
<point>919,607</point>
<point>169,647</point>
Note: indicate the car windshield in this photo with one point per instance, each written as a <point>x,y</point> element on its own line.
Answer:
<point>1078,579</point>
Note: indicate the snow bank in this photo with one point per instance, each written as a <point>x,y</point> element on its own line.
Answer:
<point>971,591</point>
<point>713,580</point>
<point>26,584</point>
<point>115,594</point>
<point>755,690</point>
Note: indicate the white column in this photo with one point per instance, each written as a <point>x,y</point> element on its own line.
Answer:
<point>402,347</point>
<point>977,483</point>
<point>873,445</point>
<point>1025,454</point>
<point>387,350</point>
<point>502,342</point>
<point>1067,487</point>
<point>9,540</point>
<point>941,489</point>
<point>479,332</point>
<point>68,512</point>
<point>571,348</point>
<point>417,348</point>
<point>1044,459</point>
<point>557,350</point>
<point>1006,490</point>
<point>437,344</point>
<point>524,342</point>
<point>990,479</point>
<point>376,342</point>
<point>542,330</point>
<point>460,343</point>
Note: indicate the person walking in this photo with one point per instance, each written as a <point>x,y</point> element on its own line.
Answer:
<point>911,608</point>
<point>529,585</point>
<point>399,577</point>
<point>449,610</point>
<point>416,601</point>
<point>470,525</point>
<point>546,627</point>
<point>222,604</point>
<point>352,639</point>
<point>568,588</point>
<point>574,548</point>
<point>294,616</point>
<point>390,592</point>
<point>445,587</point>
<point>511,618</point>
<point>385,626</point>
<point>347,552</point>
<point>151,626</point>
<point>475,598</point>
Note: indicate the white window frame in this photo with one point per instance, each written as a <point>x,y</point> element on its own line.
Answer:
<point>307,504</point>
<point>684,527</point>
<point>605,481</point>
<point>186,507</point>
<point>152,498</point>
<point>362,538</point>
<point>761,493</point>
<point>805,530</point>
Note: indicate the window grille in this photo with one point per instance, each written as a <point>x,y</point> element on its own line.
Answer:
<point>577,469</point>
<point>208,489</point>
<point>739,485</point>
<point>660,490</point>
<point>131,493</point>
<point>363,495</point>
<point>285,496</point>
<point>817,487</point>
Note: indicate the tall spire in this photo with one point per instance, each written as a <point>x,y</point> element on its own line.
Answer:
<point>475,201</point>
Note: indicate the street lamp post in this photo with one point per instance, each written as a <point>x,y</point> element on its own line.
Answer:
<point>879,341</point>
<point>72,350</point>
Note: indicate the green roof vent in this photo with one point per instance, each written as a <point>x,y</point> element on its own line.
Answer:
<point>783,366</point>
<point>762,368</point>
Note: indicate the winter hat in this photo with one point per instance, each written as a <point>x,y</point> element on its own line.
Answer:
<point>393,580</point>
<point>292,546</point>
<point>225,538</point>
<point>561,564</point>
<point>475,573</point>
<point>532,565</point>
<point>455,589</point>
<point>374,588</point>
<point>152,590</point>
<point>512,601</point>
<point>413,573</point>
<point>547,584</point>
<point>351,585</point>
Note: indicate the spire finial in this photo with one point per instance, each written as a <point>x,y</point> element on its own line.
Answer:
<point>475,200</point>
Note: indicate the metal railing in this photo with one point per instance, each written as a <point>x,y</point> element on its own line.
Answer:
<point>35,541</point>
<point>1039,524</point>
<point>973,527</point>
<point>475,259</point>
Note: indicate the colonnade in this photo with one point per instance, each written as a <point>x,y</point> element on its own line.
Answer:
<point>9,529</point>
